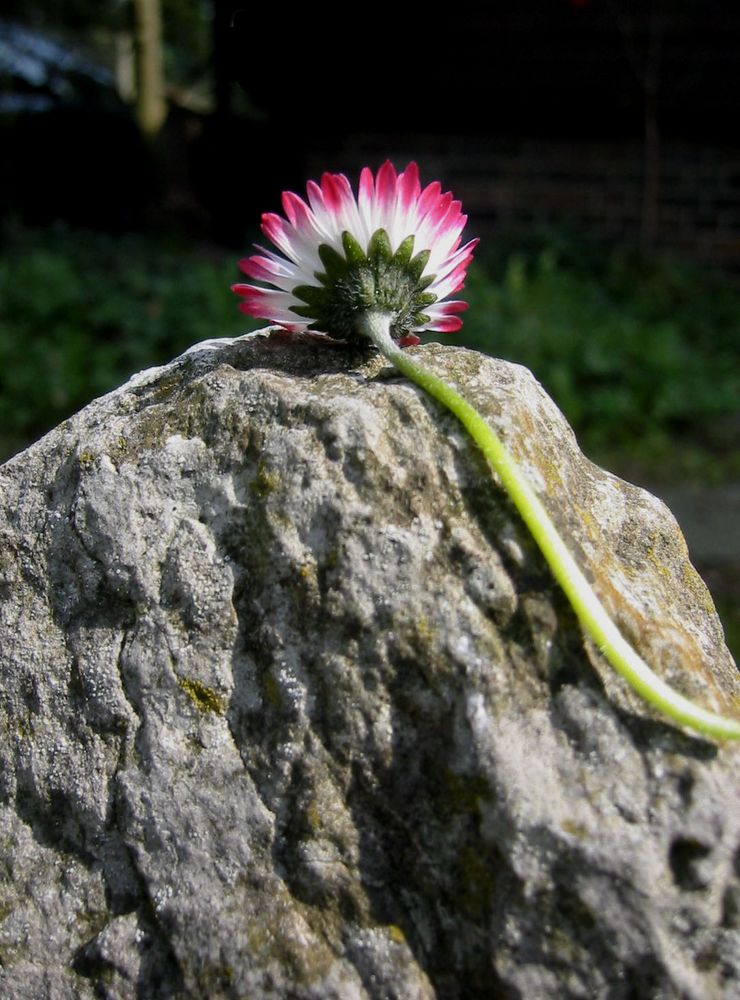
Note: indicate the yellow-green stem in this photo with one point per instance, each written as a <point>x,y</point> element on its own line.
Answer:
<point>591,613</point>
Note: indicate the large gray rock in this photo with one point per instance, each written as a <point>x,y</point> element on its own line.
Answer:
<point>291,706</point>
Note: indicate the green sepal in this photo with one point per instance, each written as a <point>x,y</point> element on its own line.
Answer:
<point>379,247</point>
<point>309,293</point>
<point>334,264</point>
<point>403,255</point>
<point>417,264</point>
<point>367,288</point>
<point>362,282</point>
<point>352,250</point>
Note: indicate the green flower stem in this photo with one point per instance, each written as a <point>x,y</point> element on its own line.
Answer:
<point>591,613</point>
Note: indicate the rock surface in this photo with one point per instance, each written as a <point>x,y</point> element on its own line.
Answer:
<point>291,707</point>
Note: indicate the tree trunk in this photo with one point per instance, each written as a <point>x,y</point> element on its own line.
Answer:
<point>125,66</point>
<point>151,106</point>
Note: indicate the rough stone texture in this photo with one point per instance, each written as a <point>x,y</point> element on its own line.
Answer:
<point>291,707</point>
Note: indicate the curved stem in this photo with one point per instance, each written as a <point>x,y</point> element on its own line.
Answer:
<point>591,613</point>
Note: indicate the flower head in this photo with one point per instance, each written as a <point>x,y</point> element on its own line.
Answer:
<point>392,249</point>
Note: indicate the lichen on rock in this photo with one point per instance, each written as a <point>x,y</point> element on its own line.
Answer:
<point>291,705</point>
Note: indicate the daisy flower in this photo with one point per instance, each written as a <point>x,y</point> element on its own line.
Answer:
<point>394,249</point>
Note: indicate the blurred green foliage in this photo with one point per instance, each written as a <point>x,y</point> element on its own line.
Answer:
<point>80,311</point>
<point>642,354</point>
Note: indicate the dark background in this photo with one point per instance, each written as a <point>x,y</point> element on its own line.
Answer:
<point>513,101</point>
